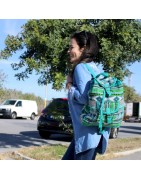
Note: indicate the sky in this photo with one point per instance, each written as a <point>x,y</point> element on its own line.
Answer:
<point>30,85</point>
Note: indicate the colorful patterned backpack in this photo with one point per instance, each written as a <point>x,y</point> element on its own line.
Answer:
<point>105,107</point>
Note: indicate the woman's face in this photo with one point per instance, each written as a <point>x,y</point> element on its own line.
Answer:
<point>74,51</point>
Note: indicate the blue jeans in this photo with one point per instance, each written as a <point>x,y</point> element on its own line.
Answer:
<point>86,155</point>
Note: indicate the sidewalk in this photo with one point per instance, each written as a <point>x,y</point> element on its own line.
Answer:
<point>130,155</point>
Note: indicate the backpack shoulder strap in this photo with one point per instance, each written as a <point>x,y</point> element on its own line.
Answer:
<point>90,69</point>
<point>105,74</point>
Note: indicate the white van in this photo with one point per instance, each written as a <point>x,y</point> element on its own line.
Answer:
<point>14,108</point>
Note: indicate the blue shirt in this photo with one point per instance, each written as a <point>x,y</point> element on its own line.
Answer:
<point>85,137</point>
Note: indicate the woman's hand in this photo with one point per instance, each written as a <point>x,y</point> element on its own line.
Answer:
<point>69,82</point>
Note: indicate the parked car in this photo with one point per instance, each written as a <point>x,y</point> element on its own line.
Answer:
<point>55,119</point>
<point>13,108</point>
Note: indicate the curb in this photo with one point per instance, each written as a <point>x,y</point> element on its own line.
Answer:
<point>125,153</point>
<point>22,156</point>
<point>119,154</point>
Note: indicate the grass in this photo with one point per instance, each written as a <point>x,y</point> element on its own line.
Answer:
<point>48,152</point>
<point>55,152</point>
<point>120,145</point>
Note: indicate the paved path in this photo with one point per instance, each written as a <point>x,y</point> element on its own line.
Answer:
<point>130,155</point>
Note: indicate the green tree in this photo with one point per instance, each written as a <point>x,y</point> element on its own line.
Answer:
<point>130,94</point>
<point>2,78</point>
<point>44,44</point>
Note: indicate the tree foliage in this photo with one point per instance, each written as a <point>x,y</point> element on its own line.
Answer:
<point>130,95</point>
<point>44,44</point>
<point>2,78</point>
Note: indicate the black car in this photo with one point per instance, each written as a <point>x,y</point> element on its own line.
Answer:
<point>55,119</point>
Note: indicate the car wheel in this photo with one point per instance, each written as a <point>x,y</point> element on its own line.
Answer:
<point>114,133</point>
<point>13,115</point>
<point>32,117</point>
<point>44,134</point>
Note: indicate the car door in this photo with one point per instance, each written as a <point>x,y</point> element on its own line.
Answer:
<point>19,109</point>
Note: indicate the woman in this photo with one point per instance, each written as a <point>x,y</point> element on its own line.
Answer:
<point>87,142</point>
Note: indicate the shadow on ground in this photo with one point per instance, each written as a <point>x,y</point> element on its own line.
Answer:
<point>28,138</point>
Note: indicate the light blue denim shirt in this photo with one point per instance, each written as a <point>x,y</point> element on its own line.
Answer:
<point>85,137</point>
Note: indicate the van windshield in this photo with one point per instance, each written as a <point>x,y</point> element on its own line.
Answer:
<point>9,102</point>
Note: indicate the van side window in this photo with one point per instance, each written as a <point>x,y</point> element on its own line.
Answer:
<point>19,104</point>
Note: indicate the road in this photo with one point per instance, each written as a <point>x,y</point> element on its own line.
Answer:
<point>23,133</point>
<point>130,129</point>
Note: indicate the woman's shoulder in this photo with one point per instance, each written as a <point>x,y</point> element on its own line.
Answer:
<point>94,67</point>
<point>81,66</point>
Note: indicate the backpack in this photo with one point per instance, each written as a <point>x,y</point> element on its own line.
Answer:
<point>105,107</point>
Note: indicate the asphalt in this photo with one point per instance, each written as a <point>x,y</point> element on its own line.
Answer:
<point>129,155</point>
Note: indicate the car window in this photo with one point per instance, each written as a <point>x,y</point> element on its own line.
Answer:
<point>57,107</point>
<point>9,102</point>
<point>19,104</point>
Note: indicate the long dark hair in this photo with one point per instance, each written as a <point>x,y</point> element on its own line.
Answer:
<point>89,42</point>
